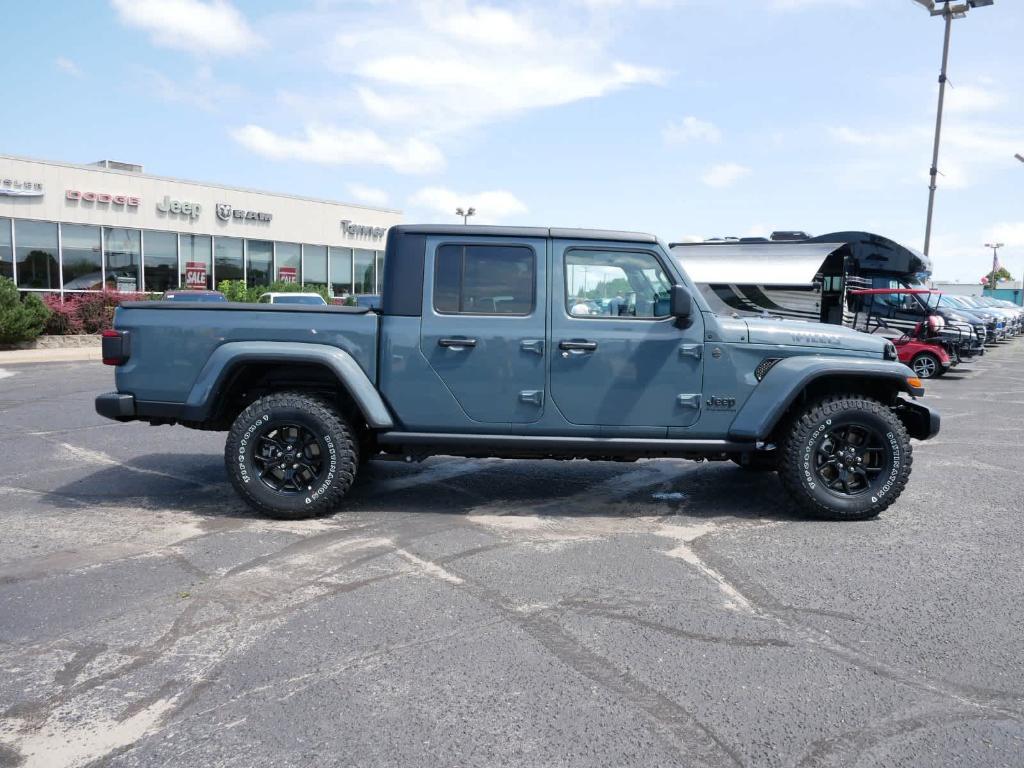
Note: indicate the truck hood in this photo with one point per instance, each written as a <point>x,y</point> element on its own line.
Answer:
<point>796,333</point>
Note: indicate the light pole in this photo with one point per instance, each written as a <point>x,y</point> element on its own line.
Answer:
<point>948,11</point>
<point>993,282</point>
<point>465,214</point>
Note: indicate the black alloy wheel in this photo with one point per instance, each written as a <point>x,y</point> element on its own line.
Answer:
<point>290,458</point>
<point>850,459</point>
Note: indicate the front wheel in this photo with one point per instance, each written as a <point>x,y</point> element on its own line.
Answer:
<point>926,365</point>
<point>846,457</point>
<point>291,455</point>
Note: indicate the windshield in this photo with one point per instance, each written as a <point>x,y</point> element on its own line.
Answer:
<point>299,300</point>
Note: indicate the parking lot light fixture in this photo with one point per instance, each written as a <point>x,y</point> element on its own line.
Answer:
<point>993,281</point>
<point>948,10</point>
<point>1020,157</point>
<point>465,214</point>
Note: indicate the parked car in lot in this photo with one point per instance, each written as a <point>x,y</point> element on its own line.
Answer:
<point>927,348</point>
<point>292,298</point>
<point>193,295</point>
<point>476,351</point>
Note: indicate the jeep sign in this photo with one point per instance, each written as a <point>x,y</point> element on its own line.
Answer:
<point>179,207</point>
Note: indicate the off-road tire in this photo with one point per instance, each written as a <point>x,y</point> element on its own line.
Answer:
<point>810,428</point>
<point>337,443</point>
<point>937,369</point>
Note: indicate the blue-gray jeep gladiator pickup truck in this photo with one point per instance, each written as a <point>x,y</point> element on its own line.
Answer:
<point>520,342</point>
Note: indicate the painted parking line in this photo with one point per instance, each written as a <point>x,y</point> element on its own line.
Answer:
<point>5,374</point>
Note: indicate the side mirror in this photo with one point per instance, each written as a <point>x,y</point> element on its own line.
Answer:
<point>681,302</point>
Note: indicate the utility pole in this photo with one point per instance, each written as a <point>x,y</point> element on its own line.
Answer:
<point>465,214</point>
<point>993,281</point>
<point>948,12</point>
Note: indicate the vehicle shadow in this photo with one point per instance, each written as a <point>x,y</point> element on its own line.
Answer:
<point>455,486</point>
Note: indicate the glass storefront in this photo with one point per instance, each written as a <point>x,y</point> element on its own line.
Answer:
<point>46,256</point>
<point>83,259</point>
<point>35,244</point>
<point>228,259</point>
<point>314,264</point>
<point>364,272</point>
<point>259,262</point>
<point>122,249</point>
<point>341,271</point>
<point>288,259</point>
<point>6,250</point>
<point>194,250</point>
<point>161,249</point>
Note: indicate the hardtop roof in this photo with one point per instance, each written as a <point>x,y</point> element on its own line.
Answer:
<point>483,230</point>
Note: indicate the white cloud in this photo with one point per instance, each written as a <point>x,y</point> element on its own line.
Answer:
<point>847,135</point>
<point>797,5</point>
<point>491,206</point>
<point>368,195</point>
<point>214,27</point>
<point>201,90</point>
<point>334,146</point>
<point>67,66</point>
<point>724,175</point>
<point>973,98</point>
<point>691,129</point>
<point>1010,233</point>
<point>454,67</point>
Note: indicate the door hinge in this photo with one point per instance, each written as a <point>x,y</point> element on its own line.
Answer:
<point>695,351</point>
<point>689,401</point>
<point>535,396</point>
<point>532,345</point>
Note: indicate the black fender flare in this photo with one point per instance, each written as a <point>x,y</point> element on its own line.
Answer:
<point>200,404</point>
<point>791,376</point>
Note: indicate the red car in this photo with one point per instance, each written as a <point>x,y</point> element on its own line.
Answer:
<point>922,347</point>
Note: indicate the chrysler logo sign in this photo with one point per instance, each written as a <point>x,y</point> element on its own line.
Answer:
<point>225,212</point>
<point>17,188</point>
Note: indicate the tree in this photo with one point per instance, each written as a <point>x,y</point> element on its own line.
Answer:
<point>1002,275</point>
<point>21,319</point>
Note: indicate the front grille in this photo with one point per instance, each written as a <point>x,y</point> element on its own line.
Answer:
<point>764,366</point>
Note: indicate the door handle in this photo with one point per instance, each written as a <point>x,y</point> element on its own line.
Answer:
<point>532,345</point>
<point>456,344</point>
<point>578,346</point>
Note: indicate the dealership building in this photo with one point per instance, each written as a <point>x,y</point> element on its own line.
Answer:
<point>67,228</point>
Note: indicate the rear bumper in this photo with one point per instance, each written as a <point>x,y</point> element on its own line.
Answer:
<point>117,406</point>
<point>921,421</point>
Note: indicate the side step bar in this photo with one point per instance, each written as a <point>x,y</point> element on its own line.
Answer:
<point>439,442</point>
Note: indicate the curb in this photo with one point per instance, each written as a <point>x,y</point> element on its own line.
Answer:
<point>53,355</point>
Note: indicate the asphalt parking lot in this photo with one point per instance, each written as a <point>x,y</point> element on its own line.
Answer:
<point>482,613</point>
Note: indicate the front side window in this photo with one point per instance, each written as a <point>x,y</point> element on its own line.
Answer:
<point>484,279</point>
<point>615,284</point>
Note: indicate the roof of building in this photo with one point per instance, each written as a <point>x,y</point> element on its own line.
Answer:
<point>97,168</point>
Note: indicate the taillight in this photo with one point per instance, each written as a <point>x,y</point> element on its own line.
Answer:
<point>117,347</point>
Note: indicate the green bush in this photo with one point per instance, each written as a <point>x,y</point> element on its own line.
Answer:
<point>237,290</point>
<point>21,319</point>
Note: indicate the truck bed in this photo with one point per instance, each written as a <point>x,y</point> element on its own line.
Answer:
<point>172,341</point>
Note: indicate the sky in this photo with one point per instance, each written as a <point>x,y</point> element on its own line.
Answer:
<point>685,118</point>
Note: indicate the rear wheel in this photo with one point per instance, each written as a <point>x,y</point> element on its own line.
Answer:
<point>845,457</point>
<point>926,365</point>
<point>291,455</point>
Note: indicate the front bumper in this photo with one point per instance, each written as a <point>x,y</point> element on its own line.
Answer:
<point>117,406</point>
<point>921,421</point>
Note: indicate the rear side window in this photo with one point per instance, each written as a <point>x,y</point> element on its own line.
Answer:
<point>484,280</point>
